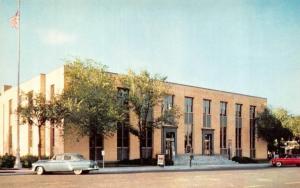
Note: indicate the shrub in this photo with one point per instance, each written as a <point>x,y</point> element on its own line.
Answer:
<point>27,160</point>
<point>243,160</point>
<point>151,162</point>
<point>7,161</point>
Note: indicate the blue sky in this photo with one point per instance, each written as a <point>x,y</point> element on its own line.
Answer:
<point>249,47</point>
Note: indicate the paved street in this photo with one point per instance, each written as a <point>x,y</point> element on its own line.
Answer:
<point>269,177</point>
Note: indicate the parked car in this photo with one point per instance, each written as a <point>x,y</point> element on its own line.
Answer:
<point>63,163</point>
<point>286,160</point>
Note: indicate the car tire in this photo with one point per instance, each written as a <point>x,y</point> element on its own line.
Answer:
<point>278,164</point>
<point>78,171</point>
<point>39,170</point>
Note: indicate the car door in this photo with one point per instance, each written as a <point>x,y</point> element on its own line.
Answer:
<point>55,163</point>
<point>289,160</point>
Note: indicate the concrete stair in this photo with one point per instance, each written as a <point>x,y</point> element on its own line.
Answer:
<point>184,160</point>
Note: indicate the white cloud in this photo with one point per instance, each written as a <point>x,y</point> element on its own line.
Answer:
<point>56,37</point>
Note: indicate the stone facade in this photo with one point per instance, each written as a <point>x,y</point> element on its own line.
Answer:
<point>53,142</point>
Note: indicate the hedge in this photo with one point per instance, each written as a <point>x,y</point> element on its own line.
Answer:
<point>243,160</point>
<point>7,161</point>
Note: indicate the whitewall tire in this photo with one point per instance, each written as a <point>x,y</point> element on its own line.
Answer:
<point>78,171</point>
<point>39,170</point>
<point>278,164</point>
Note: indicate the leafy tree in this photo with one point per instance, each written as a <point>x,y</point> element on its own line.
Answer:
<point>91,98</point>
<point>145,92</point>
<point>37,111</point>
<point>270,128</point>
<point>288,121</point>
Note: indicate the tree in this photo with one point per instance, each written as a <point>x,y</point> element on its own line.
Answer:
<point>145,92</point>
<point>288,121</point>
<point>90,95</point>
<point>38,111</point>
<point>270,128</point>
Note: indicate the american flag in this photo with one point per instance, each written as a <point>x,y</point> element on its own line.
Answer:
<point>14,21</point>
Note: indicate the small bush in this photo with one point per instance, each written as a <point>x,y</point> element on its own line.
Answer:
<point>27,160</point>
<point>7,161</point>
<point>243,160</point>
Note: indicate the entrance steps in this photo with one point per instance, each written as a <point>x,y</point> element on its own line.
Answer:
<point>184,160</point>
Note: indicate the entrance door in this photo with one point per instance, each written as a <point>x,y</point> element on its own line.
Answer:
<point>207,142</point>
<point>170,145</point>
<point>168,142</point>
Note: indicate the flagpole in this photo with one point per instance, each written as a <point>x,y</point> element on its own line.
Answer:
<point>18,164</point>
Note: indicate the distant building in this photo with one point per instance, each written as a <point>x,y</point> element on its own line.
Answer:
<point>212,121</point>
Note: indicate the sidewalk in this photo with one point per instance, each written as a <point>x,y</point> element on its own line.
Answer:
<point>119,170</point>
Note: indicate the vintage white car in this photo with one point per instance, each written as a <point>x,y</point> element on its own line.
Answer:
<point>65,163</point>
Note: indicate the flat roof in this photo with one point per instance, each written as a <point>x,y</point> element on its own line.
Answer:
<point>186,85</point>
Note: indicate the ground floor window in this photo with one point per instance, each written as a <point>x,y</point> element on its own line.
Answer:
<point>146,144</point>
<point>223,137</point>
<point>122,142</point>
<point>238,141</point>
<point>252,139</point>
<point>96,146</point>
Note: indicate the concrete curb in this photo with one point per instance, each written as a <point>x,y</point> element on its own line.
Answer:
<point>123,170</point>
<point>148,169</point>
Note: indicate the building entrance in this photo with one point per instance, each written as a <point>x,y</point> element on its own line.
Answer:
<point>207,142</point>
<point>169,142</point>
<point>170,145</point>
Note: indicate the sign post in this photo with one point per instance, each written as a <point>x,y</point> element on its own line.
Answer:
<point>103,154</point>
<point>161,160</point>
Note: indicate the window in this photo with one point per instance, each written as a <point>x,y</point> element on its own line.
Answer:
<point>188,120</point>
<point>252,132</point>
<point>238,129</point>
<point>238,110</point>
<point>188,109</point>
<point>167,105</point>
<point>52,128</point>
<point>206,113</point>
<point>122,129</point>
<point>146,144</point>
<point>10,111</point>
<point>29,136</point>
<point>30,103</point>
<point>96,146</point>
<point>223,108</point>
<point>52,92</point>
<point>59,157</point>
<point>206,106</point>
<point>168,102</point>
<point>123,94</point>
<point>223,127</point>
<point>67,157</point>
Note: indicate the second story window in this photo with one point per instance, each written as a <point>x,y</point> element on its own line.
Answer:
<point>52,92</point>
<point>168,102</point>
<point>123,96</point>
<point>206,113</point>
<point>252,112</point>
<point>188,110</point>
<point>238,110</point>
<point>223,108</point>
<point>206,106</point>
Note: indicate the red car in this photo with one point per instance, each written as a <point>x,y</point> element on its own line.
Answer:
<point>287,160</point>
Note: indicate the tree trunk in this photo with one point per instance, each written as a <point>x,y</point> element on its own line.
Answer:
<point>39,144</point>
